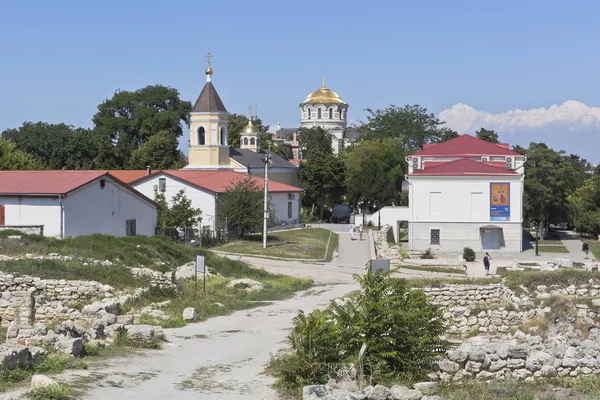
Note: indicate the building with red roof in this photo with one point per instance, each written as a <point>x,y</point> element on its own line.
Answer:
<point>464,192</point>
<point>73,203</point>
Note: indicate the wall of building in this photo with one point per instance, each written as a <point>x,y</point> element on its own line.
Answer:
<point>458,199</point>
<point>287,176</point>
<point>33,211</point>
<point>93,209</point>
<point>456,236</point>
<point>281,202</point>
<point>204,200</point>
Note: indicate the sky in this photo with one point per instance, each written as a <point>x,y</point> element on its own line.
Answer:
<point>527,69</point>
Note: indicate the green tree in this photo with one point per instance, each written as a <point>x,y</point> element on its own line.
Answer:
<point>178,213</point>
<point>126,121</point>
<point>397,329</point>
<point>314,139</point>
<point>56,146</point>
<point>242,206</point>
<point>550,177</point>
<point>12,159</point>
<point>158,152</point>
<point>585,205</point>
<point>412,125</point>
<point>487,135</point>
<point>374,169</point>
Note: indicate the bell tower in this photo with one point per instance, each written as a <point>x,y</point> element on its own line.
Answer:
<point>208,148</point>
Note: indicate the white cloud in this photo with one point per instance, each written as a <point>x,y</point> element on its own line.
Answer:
<point>572,115</point>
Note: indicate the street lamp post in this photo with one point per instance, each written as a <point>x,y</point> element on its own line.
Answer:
<point>268,163</point>
<point>376,206</point>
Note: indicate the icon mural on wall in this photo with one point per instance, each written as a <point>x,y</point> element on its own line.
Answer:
<point>499,201</point>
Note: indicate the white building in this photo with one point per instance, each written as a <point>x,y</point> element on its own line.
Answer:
<point>465,192</point>
<point>74,203</point>
<point>203,188</point>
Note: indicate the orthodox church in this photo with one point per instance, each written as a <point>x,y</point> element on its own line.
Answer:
<point>323,108</point>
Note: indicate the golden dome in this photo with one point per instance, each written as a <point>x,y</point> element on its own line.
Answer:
<point>249,130</point>
<point>323,95</point>
<point>208,70</point>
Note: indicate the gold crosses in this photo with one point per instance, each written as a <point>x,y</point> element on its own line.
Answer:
<point>323,79</point>
<point>208,57</point>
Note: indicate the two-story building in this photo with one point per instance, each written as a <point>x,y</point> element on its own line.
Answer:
<point>464,192</point>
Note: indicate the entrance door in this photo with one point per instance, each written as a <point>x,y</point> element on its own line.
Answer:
<point>491,238</point>
<point>2,218</point>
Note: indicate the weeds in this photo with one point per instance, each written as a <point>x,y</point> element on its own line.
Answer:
<point>433,269</point>
<point>61,391</point>
<point>536,326</point>
<point>427,254</point>
<point>532,278</point>
<point>124,339</point>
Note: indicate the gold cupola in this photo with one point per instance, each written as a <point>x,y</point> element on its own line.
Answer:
<point>323,96</point>
<point>249,137</point>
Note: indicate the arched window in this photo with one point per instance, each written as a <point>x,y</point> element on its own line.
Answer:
<point>341,114</point>
<point>319,113</point>
<point>251,141</point>
<point>331,113</point>
<point>308,113</point>
<point>201,135</point>
<point>245,141</point>
<point>223,135</point>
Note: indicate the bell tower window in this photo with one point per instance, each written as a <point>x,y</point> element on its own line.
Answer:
<point>331,113</point>
<point>252,142</point>
<point>201,135</point>
<point>245,141</point>
<point>308,113</point>
<point>319,113</point>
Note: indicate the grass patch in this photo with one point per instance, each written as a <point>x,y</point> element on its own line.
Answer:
<point>119,277</point>
<point>308,243</point>
<point>594,248</point>
<point>60,392</point>
<point>132,251</point>
<point>10,232</point>
<point>533,278</point>
<point>552,249</point>
<point>218,298</point>
<point>536,326</point>
<point>434,269</point>
<point>550,242</point>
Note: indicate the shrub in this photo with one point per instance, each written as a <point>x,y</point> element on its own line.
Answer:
<point>399,327</point>
<point>404,254</point>
<point>60,392</point>
<point>468,254</point>
<point>427,255</point>
<point>122,339</point>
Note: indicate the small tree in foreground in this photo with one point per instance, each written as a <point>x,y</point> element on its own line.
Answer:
<point>241,207</point>
<point>397,325</point>
<point>178,213</point>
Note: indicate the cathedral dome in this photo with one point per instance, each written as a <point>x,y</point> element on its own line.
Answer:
<point>249,130</point>
<point>323,95</point>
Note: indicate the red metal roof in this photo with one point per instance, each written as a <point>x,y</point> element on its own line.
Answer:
<point>431,164</point>
<point>465,146</point>
<point>464,167</point>
<point>45,182</point>
<point>217,181</point>
<point>131,175</point>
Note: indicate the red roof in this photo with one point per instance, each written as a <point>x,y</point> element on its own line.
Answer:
<point>296,162</point>
<point>430,164</point>
<point>217,181</point>
<point>45,182</point>
<point>465,146</point>
<point>22,183</point>
<point>464,167</point>
<point>131,175</point>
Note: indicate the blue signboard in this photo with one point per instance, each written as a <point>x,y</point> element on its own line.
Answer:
<point>499,201</point>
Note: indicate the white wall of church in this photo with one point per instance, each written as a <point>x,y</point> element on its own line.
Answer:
<point>204,200</point>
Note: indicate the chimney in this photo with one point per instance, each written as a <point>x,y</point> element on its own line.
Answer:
<point>148,170</point>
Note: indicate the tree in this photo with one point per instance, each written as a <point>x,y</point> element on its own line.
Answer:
<point>374,169</point>
<point>396,328</point>
<point>242,206</point>
<point>56,146</point>
<point>413,125</point>
<point>158,152</point>
<point>585,206</point>
<point>12,159</point>
<point>549,179</point>
<point>322,174</point>
<point>129,119</point>
<point>237,122</point>
<point>178,213</point>
<point>487,135</point>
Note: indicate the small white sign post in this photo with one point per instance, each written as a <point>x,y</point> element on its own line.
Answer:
<point>201,268</point>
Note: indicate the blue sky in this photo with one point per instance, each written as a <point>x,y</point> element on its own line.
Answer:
<point>471,62</point>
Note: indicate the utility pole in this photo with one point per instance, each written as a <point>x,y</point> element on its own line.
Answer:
<point>267,161</point>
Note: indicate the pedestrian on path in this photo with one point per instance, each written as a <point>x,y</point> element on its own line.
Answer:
<point>586,249</point>
<point>351,232</point>
<point>360,231</point>
<point>486,263</point>
<point>594,266</point>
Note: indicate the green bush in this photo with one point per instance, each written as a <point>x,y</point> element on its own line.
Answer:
<point>60,392</point>
<point>400,328</point>
<point>404,254</point>
<point>468,254</point>
<point>428,254</point>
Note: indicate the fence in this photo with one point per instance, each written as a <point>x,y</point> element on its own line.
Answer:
<point>205,237</point>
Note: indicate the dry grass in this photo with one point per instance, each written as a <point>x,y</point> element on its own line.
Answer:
<point>536,326</point>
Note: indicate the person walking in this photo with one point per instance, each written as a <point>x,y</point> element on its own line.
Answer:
<point>486,263</point>
<point>586,249</point>
<point>351,232</point>
<point>360,231</point>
